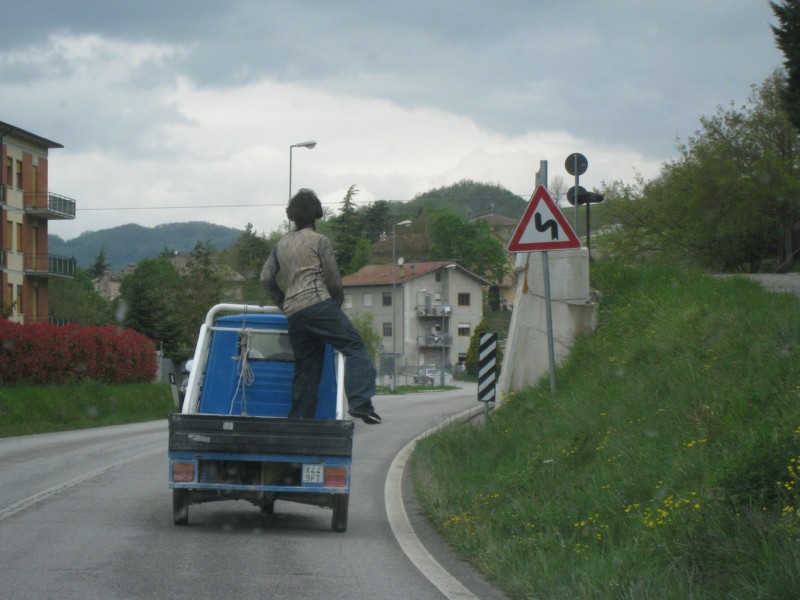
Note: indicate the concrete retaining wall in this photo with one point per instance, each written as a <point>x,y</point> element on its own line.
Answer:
<point>526,357</point>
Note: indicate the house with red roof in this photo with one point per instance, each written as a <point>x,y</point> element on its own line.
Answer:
<point>426,312</point>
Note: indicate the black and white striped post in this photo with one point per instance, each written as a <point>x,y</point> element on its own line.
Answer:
<point>487,370</point>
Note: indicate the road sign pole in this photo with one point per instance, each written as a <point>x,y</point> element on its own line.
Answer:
<point>549,311</point>
<point>577,178</point>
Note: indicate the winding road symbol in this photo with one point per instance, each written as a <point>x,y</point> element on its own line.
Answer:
<point>550,224</point>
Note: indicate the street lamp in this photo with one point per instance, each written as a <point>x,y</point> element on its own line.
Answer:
<point>308,145</point>
<point>394,300</point>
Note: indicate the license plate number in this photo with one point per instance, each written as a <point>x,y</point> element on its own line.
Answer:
<point>313,474</point>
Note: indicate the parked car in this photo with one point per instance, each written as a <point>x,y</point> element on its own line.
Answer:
<point>428,376</point>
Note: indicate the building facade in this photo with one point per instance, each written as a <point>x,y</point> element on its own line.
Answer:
<point>425,312</point>
<point>26,207</point>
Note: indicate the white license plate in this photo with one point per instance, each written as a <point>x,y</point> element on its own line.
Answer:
<point>313,474</point>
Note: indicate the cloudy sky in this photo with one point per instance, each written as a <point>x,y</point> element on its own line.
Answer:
<point>183,110</point>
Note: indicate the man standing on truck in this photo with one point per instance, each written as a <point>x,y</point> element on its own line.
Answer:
<point>312,304</point>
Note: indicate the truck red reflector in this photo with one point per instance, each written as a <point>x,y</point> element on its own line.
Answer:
<point>336,477</point>
<point>183,472</point>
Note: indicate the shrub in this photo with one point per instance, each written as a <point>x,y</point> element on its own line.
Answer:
<point>45,354</point>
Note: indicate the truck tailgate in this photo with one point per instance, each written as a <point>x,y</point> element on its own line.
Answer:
<point>259,435</point>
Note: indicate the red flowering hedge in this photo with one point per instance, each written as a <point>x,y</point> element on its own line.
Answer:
<point>41,353</point>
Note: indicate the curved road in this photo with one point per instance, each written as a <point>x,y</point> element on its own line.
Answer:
<point>88,515</point>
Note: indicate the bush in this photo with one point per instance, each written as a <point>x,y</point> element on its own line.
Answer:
<point>41,353</point>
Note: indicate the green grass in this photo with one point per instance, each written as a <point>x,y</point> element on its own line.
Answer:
<point>666,467</point>
<point>41,409</point>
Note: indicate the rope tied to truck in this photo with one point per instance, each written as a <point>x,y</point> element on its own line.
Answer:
<point>246,376</point>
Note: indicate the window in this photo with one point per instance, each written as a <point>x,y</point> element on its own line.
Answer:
<point>9,170</point>
<point>266,345</point>
<point>367,299</point>
<point>19,175</point>
<point>9,235</point>
<point>387,298</point>
<point>19,237</point>
<point>387,330</point>
<point>463,329</point>
<point>438,276</point>
<point>463,299</point>
<point>348,301</point>
<point>19,300</point>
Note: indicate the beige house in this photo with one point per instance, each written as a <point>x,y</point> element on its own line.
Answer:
<point>426,312</point>
<point>26,208</point>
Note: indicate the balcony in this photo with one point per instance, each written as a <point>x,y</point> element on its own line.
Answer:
<point>49,206</point>
<point>433,311</point>
<point>49,265</point>
<point>434,341</point>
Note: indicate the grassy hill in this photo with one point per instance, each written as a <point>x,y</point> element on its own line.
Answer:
<point>666,468</point>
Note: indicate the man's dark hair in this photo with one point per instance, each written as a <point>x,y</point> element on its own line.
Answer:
<point>304,209</point>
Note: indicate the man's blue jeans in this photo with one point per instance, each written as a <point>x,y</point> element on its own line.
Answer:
<point>309,330</point>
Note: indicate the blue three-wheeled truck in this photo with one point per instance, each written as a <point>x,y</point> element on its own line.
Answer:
<point>233,439</point>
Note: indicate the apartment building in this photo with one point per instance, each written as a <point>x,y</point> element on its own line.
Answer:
<point>426,312</point>
<point>26,208</point>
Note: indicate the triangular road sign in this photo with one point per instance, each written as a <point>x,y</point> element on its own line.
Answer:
<point>543,227</point>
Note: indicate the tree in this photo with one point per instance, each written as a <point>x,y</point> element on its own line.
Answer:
<point>361,256</point>
<point>347,230</point>
<point>249,254</point>
<point>787,36</point>
<point>471,361</point>
<point>151,303</point>
<point>203,288</point>
<point>732,199</point>
<point>375,219</point>
<point>365,326</point>
<point>100,264</point>
<point>76,301</point>
<point>471,243</point>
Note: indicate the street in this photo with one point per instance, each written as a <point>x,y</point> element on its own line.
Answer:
<point>88,515</point>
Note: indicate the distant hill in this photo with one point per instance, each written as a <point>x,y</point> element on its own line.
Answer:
<point>471,199</point>
<point>132,243</point>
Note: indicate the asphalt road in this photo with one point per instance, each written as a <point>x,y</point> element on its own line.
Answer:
<point>88,515</point>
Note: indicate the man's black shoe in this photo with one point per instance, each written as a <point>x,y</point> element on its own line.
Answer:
<point>368,415</point>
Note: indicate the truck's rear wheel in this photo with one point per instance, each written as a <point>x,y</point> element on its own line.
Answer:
<point>180,506</point>
<point>341,503</point>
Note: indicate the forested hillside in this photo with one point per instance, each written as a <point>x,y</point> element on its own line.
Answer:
<point>131,243</point>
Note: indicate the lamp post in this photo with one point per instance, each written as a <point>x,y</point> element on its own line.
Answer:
<point>394,301</point>
<point>309,145</point>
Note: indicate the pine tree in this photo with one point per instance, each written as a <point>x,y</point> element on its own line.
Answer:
<point>100,264</point>
<point>347,228</point>
<point>787,37</point>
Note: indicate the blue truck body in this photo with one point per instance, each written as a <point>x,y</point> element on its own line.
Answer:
<point>233,439</point>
